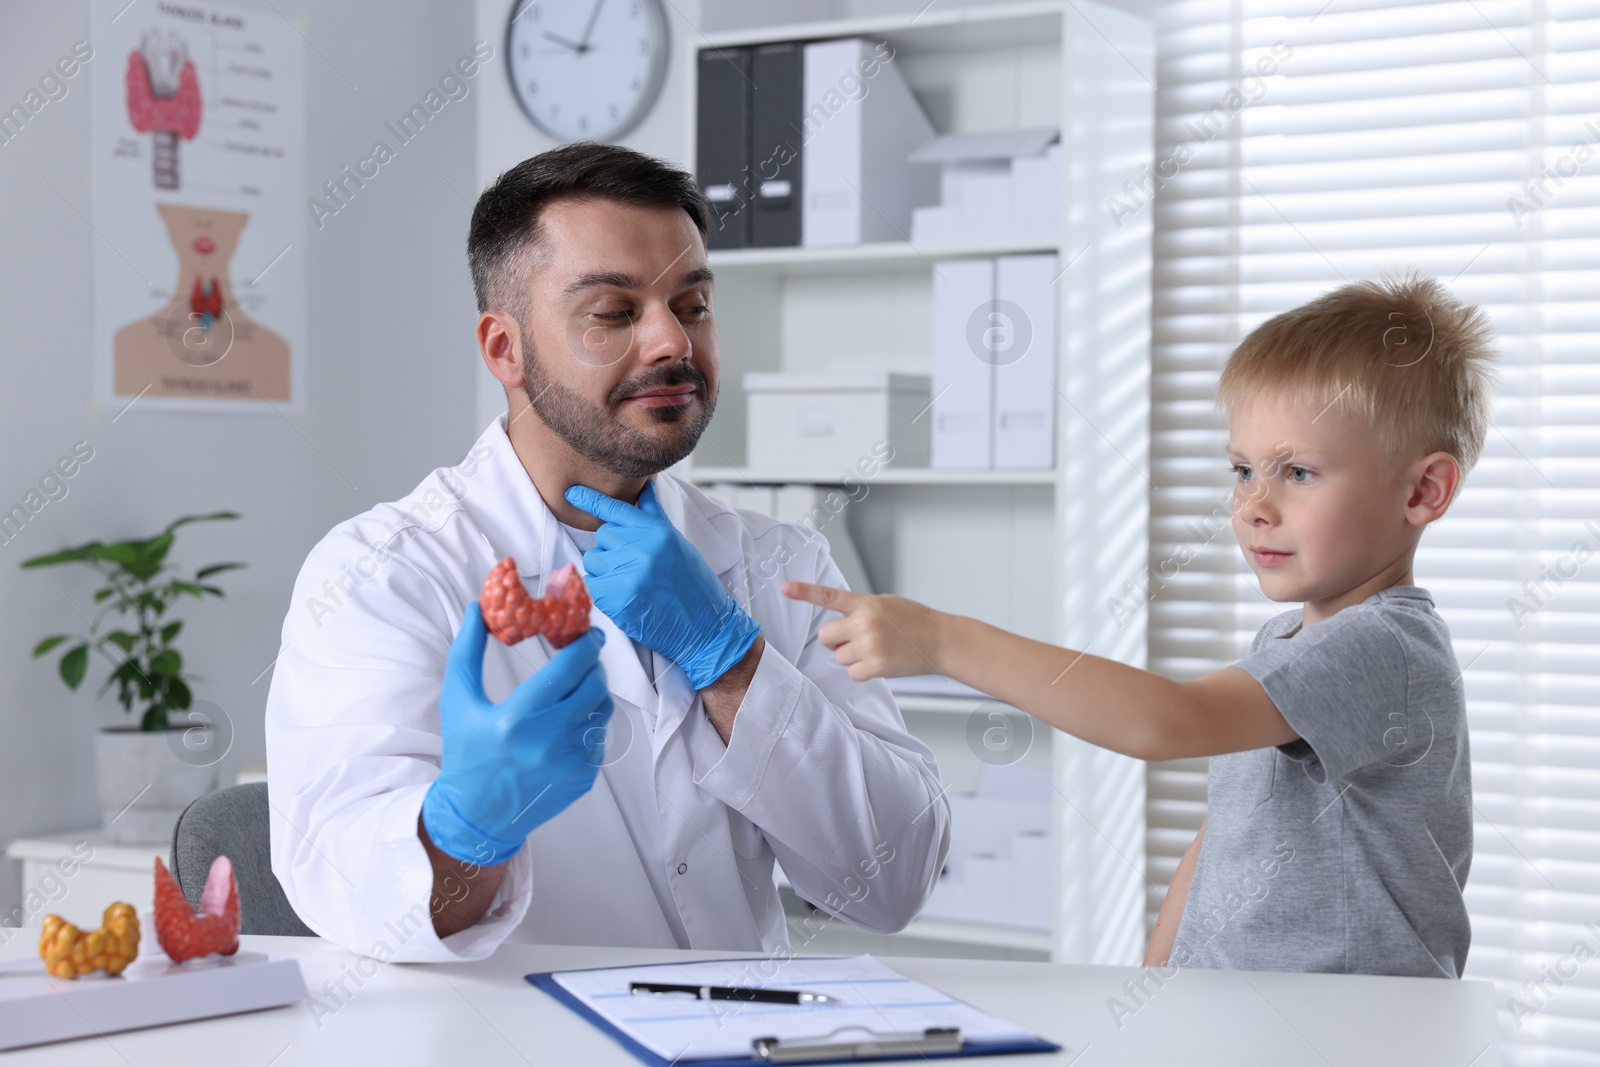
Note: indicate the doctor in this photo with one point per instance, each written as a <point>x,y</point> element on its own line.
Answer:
<point>434,792</point>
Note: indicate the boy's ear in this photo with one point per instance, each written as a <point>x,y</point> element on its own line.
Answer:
<point>1434,482</point>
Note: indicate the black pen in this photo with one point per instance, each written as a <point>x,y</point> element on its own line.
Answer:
<point>754,995</point>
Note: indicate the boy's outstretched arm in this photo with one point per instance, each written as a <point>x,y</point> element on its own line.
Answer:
<point>1110,704</point>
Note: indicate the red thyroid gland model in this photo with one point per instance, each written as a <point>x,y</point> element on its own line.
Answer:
<point>185,935</point>
<point>163,99</point>
<point>562,615</point>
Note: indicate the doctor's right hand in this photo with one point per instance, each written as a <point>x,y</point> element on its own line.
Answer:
<point>509,767</point>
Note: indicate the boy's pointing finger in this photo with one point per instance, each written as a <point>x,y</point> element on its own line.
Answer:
<point>825,596</point>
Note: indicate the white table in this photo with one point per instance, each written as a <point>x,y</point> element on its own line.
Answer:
<point>484,1014</point>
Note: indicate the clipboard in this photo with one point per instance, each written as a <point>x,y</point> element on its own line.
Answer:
<point>793,1035</point>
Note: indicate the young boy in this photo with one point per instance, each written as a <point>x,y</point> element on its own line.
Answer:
<point>1340,817</point>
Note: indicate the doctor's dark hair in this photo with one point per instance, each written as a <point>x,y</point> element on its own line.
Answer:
<point>503,239</point>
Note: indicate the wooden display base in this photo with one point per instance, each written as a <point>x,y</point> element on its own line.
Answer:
<point>36,1009</point>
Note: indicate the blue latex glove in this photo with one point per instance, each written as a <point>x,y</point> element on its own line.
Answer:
<point>508,767</point>
<point>657,588</point>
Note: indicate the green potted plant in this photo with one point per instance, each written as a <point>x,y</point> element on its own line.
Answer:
<point>144,783</point>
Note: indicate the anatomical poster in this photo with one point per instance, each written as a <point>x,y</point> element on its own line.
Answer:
<point>197,166</point>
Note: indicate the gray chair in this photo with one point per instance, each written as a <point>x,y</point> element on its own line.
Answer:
<point>234,821</point>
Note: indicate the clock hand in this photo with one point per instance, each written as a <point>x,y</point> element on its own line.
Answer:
<point>583,46</point>
<point>563,41</point>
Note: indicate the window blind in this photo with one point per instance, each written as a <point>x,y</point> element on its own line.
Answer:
<point>1462,139</point>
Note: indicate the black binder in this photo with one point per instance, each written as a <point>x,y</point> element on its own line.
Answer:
<point>722,144</point>
<point>776,141</point>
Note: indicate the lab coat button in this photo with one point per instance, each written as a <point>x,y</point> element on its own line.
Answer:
<point>683,868</point>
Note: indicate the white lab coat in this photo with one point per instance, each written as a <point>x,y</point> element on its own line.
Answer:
<point>674,845</point>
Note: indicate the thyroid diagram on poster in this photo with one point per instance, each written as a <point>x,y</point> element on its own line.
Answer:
<point>196,166</point>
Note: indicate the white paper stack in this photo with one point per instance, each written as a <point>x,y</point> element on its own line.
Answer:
<point>860,122</point>
<point>998,186</point>
<point>1036,195</point>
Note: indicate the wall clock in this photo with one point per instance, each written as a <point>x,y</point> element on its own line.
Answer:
<point>586,70</point>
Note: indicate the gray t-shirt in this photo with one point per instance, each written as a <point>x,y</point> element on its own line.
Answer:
<point>1346,850</point>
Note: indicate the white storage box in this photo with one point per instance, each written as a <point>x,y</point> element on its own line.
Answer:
<point>837,422</point>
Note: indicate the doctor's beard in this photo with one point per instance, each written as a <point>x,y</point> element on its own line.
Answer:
<point>594,431</point>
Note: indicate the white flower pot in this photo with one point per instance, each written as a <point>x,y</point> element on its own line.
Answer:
<point>145,781</point>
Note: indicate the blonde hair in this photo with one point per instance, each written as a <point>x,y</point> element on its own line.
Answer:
<point>1400,352</point>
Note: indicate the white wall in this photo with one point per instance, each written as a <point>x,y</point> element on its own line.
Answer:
<point>390,389</point>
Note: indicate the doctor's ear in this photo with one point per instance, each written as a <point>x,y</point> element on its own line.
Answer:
<point>500,344</point>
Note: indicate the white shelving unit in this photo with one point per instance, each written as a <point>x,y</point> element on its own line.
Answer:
<point>887,476</point>
<point>1037,552</point>
<point>921,29</point>
<point>924,705</point>
<point>861,258</point>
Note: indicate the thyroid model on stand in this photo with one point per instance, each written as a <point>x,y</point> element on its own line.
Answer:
<point>163,99</point>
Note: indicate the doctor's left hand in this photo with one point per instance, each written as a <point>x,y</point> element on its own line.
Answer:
<point>659,590</point>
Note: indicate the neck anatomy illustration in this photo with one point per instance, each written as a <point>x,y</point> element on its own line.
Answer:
<point>201,343</point>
